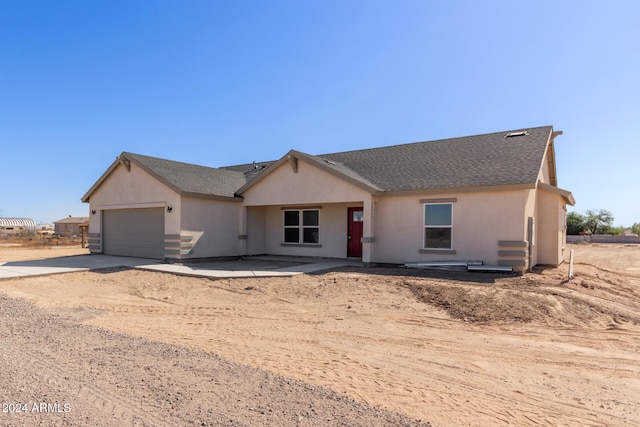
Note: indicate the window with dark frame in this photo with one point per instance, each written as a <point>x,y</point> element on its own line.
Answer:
<point>438,225</point>
<point>302,226</point>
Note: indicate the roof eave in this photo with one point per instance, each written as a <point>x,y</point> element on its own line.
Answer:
<point>293,154</point>
<point>262,175</point>
<point>470,189</point>
<point>126,160</point>
<point>212,196</point>
<point>103,177</point>
<point>148,170</point>
<point>565,194</point>
<point>551,159</point>
<point>320,164</point>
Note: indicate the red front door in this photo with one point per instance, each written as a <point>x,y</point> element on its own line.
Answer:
<point>354,242</point>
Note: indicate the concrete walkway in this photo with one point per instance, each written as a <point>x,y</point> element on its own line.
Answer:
<point>244,267</point>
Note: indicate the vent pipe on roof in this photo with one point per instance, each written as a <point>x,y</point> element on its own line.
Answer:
<point>254,169</point>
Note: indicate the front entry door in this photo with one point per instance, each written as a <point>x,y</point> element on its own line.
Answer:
<point>354,242</point>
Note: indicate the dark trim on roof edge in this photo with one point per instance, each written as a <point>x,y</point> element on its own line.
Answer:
<point>554,173</point>
<point>323,166</point>
<point>152,173</point>
<point>315,162</point>
<point>122,159</point>
<point>551,151</point>
<point>98,183</point>
<point>264,173</point>
<point>448,190</point>
<point>211,196</point>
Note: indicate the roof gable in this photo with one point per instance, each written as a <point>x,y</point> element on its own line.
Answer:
<point>183,178</point>
<point>189,178</point>
<point>332,167</point>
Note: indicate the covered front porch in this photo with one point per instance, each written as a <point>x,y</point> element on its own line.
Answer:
<point>327,230</point>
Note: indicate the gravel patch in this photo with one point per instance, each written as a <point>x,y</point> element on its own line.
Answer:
<point>56,371</point>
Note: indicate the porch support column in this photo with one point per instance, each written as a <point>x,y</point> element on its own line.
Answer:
<point>242,230</point>
<point>368,237</point>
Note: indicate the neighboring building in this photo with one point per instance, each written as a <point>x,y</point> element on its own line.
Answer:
<point>70,226</point>
<point>491,197</point>
<point>17,226</point>
<point>45,229</point>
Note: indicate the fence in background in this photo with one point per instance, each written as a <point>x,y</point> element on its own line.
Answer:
<point>603,238</point>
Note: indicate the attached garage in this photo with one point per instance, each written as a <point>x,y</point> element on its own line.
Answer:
<point>134,232</point>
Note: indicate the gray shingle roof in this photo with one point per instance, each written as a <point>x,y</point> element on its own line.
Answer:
<point>189,178</point>
<point>471,161</point>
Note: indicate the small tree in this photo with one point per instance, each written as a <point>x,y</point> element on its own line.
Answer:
<point>635,228</point>
<point>575,223</point>
<point>598,222</point>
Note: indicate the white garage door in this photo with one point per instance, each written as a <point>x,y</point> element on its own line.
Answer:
<point>134,232</point>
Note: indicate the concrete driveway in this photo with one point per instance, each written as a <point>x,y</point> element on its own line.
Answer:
<point>67,264</point>
<point>243,267</point>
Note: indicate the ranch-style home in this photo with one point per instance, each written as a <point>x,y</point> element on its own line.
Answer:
<point>491,197</point>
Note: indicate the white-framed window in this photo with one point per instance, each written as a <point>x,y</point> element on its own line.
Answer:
<point>302,226</point>
<point>438,225</point>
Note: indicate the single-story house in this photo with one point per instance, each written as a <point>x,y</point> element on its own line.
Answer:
<point>70,226</point>
<point>491,197</point>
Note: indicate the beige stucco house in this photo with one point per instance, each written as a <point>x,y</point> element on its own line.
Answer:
<point>491,197</point>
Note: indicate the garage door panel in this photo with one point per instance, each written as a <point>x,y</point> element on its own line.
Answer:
<point>134,232</point>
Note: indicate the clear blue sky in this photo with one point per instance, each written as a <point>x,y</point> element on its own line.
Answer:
<point>220,83</point>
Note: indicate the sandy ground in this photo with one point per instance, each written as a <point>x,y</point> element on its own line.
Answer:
<point>447,348</point>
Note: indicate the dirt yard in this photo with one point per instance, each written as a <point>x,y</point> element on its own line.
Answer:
<point>351,347</point>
